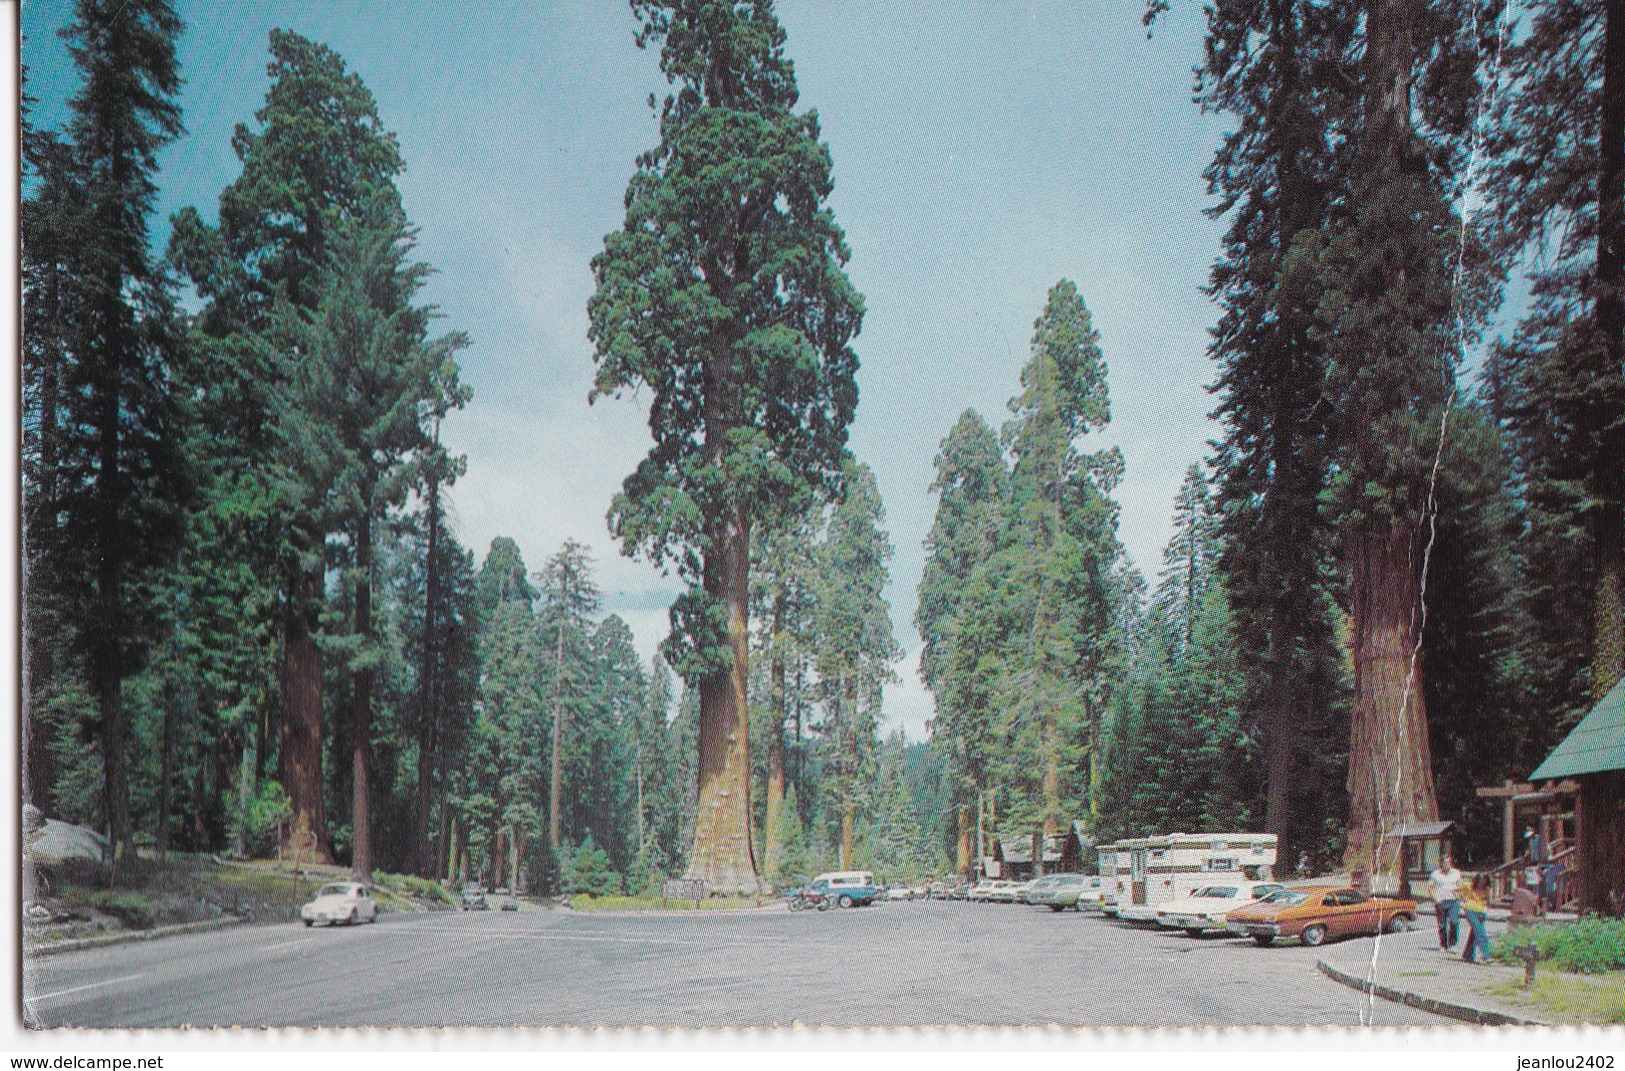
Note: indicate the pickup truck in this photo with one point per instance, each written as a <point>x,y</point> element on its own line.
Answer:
<point>848,888</point>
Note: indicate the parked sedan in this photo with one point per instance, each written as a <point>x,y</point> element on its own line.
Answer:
<point>474,899</point>
<point>1206,908</point>
<point>348,902</point>
<point>1314,913</point>
<point>1091,895</point>
<point>1058,891</point>
<point>1004,892</point>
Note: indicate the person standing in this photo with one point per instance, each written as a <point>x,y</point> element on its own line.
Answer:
<point>1534,849</point>
<point>1444,886</point>
<point>1474,905</point>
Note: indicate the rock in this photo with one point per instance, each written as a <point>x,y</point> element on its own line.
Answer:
<point>63,840</point>
<point>33,818</point>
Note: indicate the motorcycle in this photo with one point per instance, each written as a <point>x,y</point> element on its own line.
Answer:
<point>805,899</point>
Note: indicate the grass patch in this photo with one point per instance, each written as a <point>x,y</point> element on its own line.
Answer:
<point>85,898</point>
<point>1419,974</point>
<point>410,887</point>
<point>1593,1000</point>
<point>583,902</point>
<point>1590,946</point>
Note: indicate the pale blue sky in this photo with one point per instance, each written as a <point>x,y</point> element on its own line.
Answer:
<point>982,152</point>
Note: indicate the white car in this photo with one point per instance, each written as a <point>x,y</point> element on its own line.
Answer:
<point>1206,908</point>
<point>1091,895</point>
<point>899,892</point>
<point>348,902</point>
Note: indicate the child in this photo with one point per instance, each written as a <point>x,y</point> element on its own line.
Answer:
<point>1474,907</point>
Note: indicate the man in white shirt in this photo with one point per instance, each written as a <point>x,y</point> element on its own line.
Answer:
<point>1444,886</point>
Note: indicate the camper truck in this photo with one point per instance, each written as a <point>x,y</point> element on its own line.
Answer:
<point>1114,877</point>
<point>1105,895</point>
<point>1160,869</point>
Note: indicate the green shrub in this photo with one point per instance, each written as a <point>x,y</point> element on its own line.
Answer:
<point>587,872</point>
<point>1590,946</point>
<point>132,910</point>
<point>258,823</point>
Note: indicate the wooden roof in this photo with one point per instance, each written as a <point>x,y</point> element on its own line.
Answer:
<point>1596,745</point>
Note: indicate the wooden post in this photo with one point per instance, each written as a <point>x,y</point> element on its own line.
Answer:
<point>1529,954</point>
<point>1508,824</point>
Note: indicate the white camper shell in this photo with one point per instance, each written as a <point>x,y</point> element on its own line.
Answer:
<point>1154,870</point>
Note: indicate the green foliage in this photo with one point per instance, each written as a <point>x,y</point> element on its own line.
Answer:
<point>854,643</point>
<point>105,478</point>
<point>901,847</point>
<point>255,821</point>
<point>587,872</point>
<point>724,294</point>
<point>1589,946</point>
<point>790,864</point>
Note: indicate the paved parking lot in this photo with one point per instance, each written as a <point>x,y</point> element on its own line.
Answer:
<point>904,964</point>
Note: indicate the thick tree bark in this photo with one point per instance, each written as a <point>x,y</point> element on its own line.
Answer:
<point>1390,774</point>
<point>361,711</point>
<point>775,740</point>
<point>723,854</point>
<point>1608,629</point>
<point>1280,753</point>
<point>299,765</point>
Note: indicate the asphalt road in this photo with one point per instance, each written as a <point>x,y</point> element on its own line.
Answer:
<point>904,964</point>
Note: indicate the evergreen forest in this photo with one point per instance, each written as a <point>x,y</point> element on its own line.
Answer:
<point>250,624</point>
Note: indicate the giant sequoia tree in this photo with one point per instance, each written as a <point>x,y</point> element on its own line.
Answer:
<point>370,384</point>
<point>1346,305</point>
<point>724,294</point>
<point>1059,548</point>
<point>319,155</point>
<point>1392,304</point>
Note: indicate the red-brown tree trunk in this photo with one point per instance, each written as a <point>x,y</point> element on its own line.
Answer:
<point>1280,743</point>
<point>723,855</point>
<point>299,759</point>
<point>775,741</point>
<point>1390,774</point>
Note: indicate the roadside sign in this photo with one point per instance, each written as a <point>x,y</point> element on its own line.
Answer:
<point>683,889</point>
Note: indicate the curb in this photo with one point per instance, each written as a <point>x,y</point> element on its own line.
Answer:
<point>128,936</point>
<point>1460,1012</point>
<point>639,912</point>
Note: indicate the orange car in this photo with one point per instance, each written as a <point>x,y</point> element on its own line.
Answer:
<point>1312,913</point>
